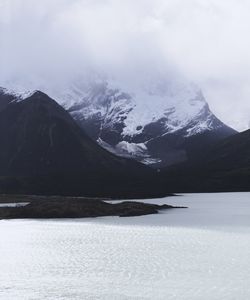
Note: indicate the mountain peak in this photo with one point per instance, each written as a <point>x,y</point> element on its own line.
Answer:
<point>43,148</point>
<point>150,121</point>
<point>40,97</point>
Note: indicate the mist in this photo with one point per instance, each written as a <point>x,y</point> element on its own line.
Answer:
<point>206,41</point>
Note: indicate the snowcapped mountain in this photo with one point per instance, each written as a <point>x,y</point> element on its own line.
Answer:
<point>44,151</point>
<point>157,122</point>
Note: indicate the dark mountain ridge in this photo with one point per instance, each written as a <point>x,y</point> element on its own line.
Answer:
<point>224,167</point>
<point>44,151</point>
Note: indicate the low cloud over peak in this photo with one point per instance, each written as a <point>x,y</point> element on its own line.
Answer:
<point>207,41</point>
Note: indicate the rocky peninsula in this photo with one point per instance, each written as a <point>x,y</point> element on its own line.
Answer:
<point>66,207</point>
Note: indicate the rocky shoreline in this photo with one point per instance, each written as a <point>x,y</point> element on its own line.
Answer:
<point>78,208</point>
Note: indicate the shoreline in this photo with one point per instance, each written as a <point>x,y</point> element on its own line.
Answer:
<point>78,208</point>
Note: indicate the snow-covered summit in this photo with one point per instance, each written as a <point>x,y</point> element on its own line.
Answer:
<point>150,120</point>
<point>17,93</point>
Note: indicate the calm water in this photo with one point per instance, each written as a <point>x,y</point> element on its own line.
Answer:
<point>198,253</point>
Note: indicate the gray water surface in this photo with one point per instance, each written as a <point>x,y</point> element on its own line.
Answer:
<point>202,252</point>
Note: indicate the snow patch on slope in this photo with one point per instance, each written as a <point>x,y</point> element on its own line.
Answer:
<point>19,94</point>
<point>132,148</point>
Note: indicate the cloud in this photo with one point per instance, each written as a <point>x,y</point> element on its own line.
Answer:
<point>206,40</point>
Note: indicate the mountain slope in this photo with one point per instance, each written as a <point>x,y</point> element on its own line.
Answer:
<point>159,122</point>
<point>225,167</point>
<point>158,125</point>
<point>43,150</point>
<point>5,98</point>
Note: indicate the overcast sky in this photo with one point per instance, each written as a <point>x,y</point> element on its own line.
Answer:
<point>208,41</point>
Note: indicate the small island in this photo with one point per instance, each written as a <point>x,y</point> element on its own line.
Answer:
<point>67,207</point>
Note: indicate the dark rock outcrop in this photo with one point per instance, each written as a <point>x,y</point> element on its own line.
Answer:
<point>78,208</point>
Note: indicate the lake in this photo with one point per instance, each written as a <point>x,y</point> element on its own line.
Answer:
<point>202,252</point>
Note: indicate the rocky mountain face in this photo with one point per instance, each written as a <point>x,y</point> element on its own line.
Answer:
<point>159,124</point>
<point>5,98</point>
<point>43,150</point>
